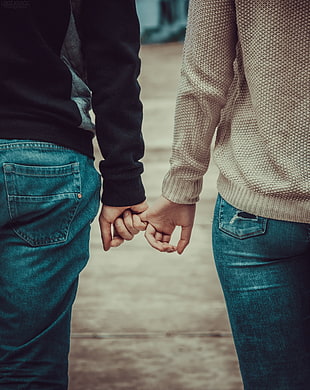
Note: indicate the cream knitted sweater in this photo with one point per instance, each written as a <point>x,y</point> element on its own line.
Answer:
<point>245,76</point>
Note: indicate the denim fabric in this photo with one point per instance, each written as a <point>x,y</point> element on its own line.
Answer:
<point>264,269</point>
<point>49,195</point>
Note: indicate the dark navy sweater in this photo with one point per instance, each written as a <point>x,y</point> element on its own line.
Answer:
<point>60,57</point>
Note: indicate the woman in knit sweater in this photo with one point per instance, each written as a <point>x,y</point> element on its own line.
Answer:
<point>245,77</point>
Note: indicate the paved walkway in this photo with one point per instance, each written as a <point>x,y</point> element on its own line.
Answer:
<point>145,320</point>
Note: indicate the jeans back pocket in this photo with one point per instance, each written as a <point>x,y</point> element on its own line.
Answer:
<point>42,201</point>
<point>238,223</point>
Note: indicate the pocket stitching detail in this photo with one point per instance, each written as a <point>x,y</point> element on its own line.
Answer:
<point>258,229</point>
<point>61,232</point>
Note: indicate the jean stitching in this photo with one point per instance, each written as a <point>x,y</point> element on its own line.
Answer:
<point>32,145</point>
<point>55,237</point>
<point>220,212</point>
<point>259,228</point>
<point>62,170</point>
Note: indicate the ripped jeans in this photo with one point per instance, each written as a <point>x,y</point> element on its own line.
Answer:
<point>49,195</point>
<point>264,270</point>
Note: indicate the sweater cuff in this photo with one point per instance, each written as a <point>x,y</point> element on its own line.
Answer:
<point>180,190</point>
<point>120,193</point>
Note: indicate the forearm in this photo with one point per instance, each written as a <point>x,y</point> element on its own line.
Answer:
<point>206,75</point>
<point>111,42</point>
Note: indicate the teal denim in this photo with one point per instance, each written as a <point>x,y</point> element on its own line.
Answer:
<point>264,269</point>
<point>49,196</point>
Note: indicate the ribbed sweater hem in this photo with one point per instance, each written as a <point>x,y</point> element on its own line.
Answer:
<point>264,205</point>
<point>179,190</point>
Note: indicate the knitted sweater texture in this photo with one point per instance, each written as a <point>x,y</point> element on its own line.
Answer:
<point>245,78</point>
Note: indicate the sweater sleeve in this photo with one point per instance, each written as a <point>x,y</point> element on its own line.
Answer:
<point>206,75</point>
<point>111,42</point>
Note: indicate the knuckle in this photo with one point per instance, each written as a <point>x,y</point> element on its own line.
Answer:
<point>118,222</point>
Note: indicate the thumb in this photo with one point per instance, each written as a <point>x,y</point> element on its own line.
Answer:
<point>139,208</point>
<point>106,234</point>
<point>143,216</point>
<point>184,239</point>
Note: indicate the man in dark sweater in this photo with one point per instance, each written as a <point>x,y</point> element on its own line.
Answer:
<point>52,54</point>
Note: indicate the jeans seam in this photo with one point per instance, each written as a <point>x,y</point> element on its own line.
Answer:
<point>32,145</point>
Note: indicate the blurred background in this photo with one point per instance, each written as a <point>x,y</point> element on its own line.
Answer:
<point>162,20</point>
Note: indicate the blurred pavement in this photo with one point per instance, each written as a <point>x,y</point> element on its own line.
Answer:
<point>144,320</point>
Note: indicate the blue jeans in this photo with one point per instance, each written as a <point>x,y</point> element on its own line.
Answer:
<point>49,195</point>
<point>264,269</point>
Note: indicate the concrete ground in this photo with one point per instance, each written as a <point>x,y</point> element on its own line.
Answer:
<point>144,320</point>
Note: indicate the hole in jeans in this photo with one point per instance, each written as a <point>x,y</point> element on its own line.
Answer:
<point>243,215</point>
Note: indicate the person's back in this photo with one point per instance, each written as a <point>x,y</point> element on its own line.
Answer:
<point>52,53</point>
<point>260,105</point>
<point>268,117</point>
<point>35,83</point>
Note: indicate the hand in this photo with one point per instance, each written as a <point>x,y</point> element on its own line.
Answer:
<point>162,217</point>
<point>123,221</point>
